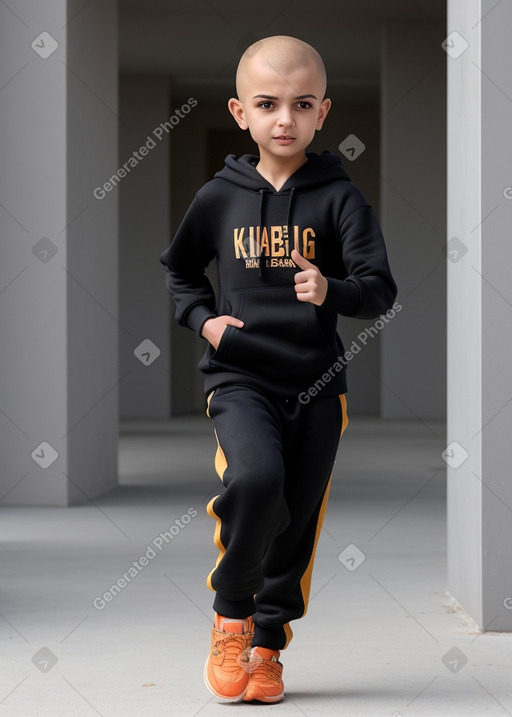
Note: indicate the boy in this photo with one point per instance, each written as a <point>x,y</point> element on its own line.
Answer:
<point>296,245</point>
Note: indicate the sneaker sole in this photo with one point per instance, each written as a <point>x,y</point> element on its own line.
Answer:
<point>239,698</point>
<point>268,700</point>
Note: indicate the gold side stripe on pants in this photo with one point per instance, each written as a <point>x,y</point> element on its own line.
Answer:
<point>216,540</point>
<point>220,466</point>
<point>344,422</point>
<point>220,459</point>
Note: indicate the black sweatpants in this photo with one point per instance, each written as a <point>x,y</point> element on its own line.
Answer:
<point>275,458</point>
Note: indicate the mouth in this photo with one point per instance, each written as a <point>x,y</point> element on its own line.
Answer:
<point>284,139</point>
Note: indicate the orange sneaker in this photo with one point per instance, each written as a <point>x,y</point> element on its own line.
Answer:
<point>226,669</point>
<point>265,670</point>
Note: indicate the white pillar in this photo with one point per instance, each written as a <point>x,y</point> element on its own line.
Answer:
<point>58,275</point>
<point>479,454</point>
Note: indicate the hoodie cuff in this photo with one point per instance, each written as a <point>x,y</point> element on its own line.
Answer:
<point>342,296</point>
<point>197,316</point>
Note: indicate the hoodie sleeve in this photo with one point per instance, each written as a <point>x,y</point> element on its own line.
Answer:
<point>369,289</point>
<point>185,260</point>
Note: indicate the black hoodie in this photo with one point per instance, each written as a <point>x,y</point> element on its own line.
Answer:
<point>285,345</point>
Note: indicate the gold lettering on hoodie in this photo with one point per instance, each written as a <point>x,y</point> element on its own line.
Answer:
<point>250,242</point>
<point>308,245</point>
<point>277,244</point>
<point>239,245</point>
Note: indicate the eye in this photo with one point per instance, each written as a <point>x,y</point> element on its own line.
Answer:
<point>303,105</point>
<point>267,105</point>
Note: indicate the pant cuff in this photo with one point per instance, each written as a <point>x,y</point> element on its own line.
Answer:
<point>272,637</point>
<point>234,608</point>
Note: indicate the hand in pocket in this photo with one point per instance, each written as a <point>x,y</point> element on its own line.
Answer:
<point>214,328</point>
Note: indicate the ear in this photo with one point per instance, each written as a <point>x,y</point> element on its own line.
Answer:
<point>325,106</point>
<point>237,110</point>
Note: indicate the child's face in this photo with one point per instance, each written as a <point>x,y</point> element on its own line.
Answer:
<point>282,112</point>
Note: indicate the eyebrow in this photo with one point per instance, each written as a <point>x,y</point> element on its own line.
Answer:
<point>271,97</point>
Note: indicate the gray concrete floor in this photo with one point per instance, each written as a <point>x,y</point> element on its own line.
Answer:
<point>381,638</point>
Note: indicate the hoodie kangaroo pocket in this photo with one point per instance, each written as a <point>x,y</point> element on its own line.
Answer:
<point>281,336</point>
<point>224,341</point>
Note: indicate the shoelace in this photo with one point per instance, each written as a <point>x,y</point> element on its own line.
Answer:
<point>265,671</point>
<point>235,649</point>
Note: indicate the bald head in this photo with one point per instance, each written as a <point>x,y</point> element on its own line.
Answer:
<point>282,55</point>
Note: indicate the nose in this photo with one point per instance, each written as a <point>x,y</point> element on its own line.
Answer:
<point>285,118</point>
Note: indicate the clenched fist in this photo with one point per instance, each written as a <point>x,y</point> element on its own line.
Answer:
<point>310,283</point>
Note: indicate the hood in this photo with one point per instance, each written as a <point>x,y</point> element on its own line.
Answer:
<point>318,170</point>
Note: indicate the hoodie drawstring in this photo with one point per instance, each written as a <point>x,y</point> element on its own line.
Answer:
<point>261,264</point>
<point>262,193</point>
<point>289,210</point>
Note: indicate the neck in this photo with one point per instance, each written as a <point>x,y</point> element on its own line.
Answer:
<point>276,170</point>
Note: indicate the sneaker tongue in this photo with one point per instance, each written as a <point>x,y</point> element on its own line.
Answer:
<point>265,652</point>
<point>235,626</point>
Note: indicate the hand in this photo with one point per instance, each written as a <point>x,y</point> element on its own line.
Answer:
<point>214,328</point>
<point>310,283</point>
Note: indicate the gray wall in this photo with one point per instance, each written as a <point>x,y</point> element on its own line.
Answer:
<point>144,194</point>
<point>58,304</point>
<point>413,92</point>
